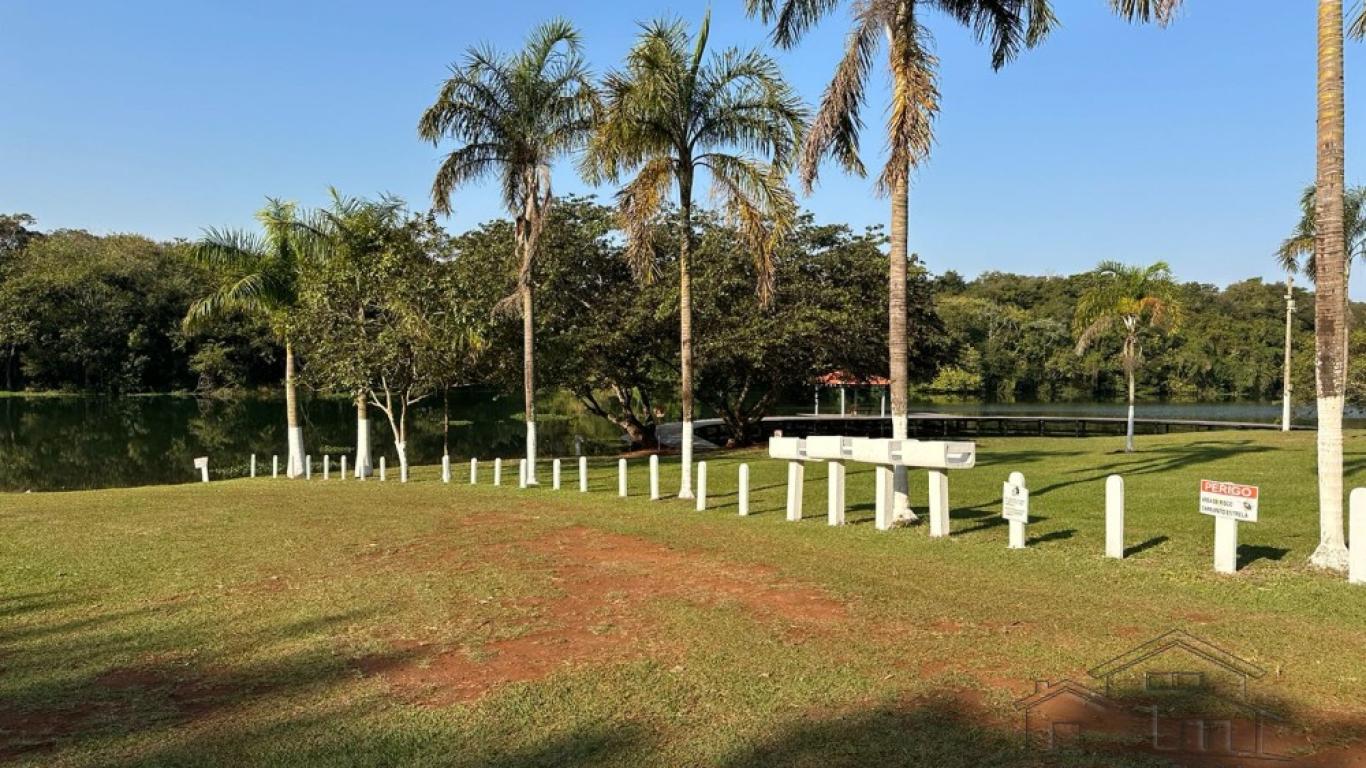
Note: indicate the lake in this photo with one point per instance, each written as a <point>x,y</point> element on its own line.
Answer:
<point>74,442</point>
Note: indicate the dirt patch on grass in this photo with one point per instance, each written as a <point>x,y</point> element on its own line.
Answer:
<point>606,583</point>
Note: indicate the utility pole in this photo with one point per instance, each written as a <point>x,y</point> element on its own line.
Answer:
<point>1289,326</point>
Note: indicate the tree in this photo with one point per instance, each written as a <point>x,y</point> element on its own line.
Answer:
<point>672,113</point>
<point>260,276</point>
<point>513,117</point>
<point>1008,25</point>
<point>1135,298</point>
<point>1330,264</point>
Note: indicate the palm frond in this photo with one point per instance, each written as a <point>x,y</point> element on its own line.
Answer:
<point>838,122</point>
<point>1161,11</point>
<point>759,203</point>
<point>915,104</point>
<point>637,204</point>
<point>791,18</point>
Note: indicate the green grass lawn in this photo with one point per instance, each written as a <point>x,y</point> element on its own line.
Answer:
<point>273,622</point>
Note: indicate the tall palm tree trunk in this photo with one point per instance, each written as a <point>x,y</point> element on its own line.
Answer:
<point>685,327</point>
<point>1287,387</point>
<point>1330,295</point>
<point>529,380</point>
<point>294,465</point>
<point>1129,422</point>
<point>363,461</point>
<point>896,338</point>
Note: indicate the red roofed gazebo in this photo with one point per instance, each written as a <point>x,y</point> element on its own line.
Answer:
<point>845,380</point>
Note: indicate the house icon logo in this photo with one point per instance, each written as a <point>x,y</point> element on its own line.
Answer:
<point>1176,695</point>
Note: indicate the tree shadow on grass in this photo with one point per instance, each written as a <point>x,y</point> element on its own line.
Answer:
<point>1143,546</point>
<point>1251,553</point>
<point>1062,535</point>
<point>1158,460</point>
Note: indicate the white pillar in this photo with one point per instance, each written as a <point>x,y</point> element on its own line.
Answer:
<point>583,474</point>
<point>498,471</point>
<point>327,466</point>
<point>529,475</point>
<point>744,489</point>
<point>654,477</point>
<point>1356,555</point>
<point>883,406</point>
<point>1225,545</point>
<point>203,465</point>
<point>818,401</point>
<point>685,485</point>
<point>841,401</point>
<point>939,503</point>
<point>308,466</point>
<point>1114,517</point>
<point>382,476</point>
<point>521,473</point>
<point>835,501</point>
<point>343,467</point>
<point>1017,528</point>
<point>474,471</point>
<point>701,486</point>
<point>275,465</point>
<point>621,478</point>
<point>555,474</point>
<point>882,497</point>
<point>796,485</point>
<point>445,468</point>
<point>363,467</point>
<point>253,465</point>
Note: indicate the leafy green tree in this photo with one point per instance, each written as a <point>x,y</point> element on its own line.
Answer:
<point>260,275</point>
<point>514,116</point>
<point>1007,25</point>
<point>1128,299</point>
<point>672,113</point>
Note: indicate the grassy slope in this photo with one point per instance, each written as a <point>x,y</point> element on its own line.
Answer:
<point>223,624</point>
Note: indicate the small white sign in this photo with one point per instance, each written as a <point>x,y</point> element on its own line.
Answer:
<point>1229,500</point>
<point>1014,502</point>
<point>201,462</point>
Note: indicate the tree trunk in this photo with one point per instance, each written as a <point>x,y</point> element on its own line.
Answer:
<point>896,338</point>
<point>1330,294</point>
<point>363,463</point>
<point>446,421</point>
<point>295,433</point>
<point>685,325</point>
<point>1287,388</point>
<point>1129,423</point>
<point>529,382</point>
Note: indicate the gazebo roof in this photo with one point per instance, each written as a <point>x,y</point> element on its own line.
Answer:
<point>845,379</point>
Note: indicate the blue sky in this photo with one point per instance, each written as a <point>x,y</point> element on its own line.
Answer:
<point>1111,141</point>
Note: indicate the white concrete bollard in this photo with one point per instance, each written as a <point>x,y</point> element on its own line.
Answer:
<point>654,477</point>
<point>202,464</point>
<point>835,477</point>
<point>343,466</point>
<point>474,471</point>
<point>327,466</point>
<point>445,467</point>
<point>621,478</point>
<point>1225,545</point>
<point>308,466</point>
<point>583,474</point>
<point>882,497</point>
<point>796,487</point>
<point>555,475</point>
<point>382,469</point>
<point>253,465</point>
<point>521,473</point>
<point>939,503</point>
<point>1114,517</point>
<point>1356,555</point>
<point>275,465</point>
<point>701,486</point>
<point>744,490</point>
<point>1017,528</point>
<point>498,471</point>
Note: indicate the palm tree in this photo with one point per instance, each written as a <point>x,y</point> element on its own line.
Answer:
<point>1330,263</point>
<point>259,276</point>
<point>1135,298</point>
<point>672,112</point>
<point>513,116</point>
<point>1296,252</point>
<point>1007,25</point>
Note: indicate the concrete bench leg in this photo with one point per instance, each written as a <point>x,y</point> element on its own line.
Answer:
<point>882,493</point>
<point>939,504</point>
<point>796,480</point>
<point>835,505</point>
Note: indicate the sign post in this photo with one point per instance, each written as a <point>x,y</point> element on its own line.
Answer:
<point>1015,508</point>
<point>1229,504</point>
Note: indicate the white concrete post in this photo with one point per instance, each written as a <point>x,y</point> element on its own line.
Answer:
<point>883,406</point>
<point>744,489</point>
<point>796,484</point>
<point>841,401</point>
<point>202,464</point>
<point>555,474</point>
<point>253,465</point>
<point>818,401</point>
<point>474,471</point>
<point>621,478</point>
<point>327,466</point>
<point>1225,545</point>
<point>939,503</point>
<point>308,466</point>
<point>882,497</point>
<point>835,502</point>
<point>498,471</point>
<point>701,486</point>
<point>654,477</point>
<point>445,468</point>
<point>1114,517</point>
<point>1017,528</point>
<point>583,474</point>
<point>343,467</point>
<point>1356,555</point>
<point>275,465</point>
<point>382,473</point>
<point>521,473</point>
